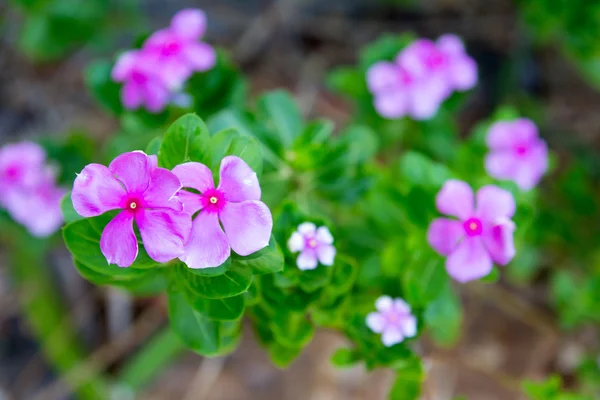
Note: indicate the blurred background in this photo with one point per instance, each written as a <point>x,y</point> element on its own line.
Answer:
<point>542,55</point>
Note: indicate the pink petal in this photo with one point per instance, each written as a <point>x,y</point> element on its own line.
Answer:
<point>96,191</point>
<point>207,246</point>
<point>384,304</point>
<point>450,44</point>
<point>493,203</point>
<point>118,242</point>
<point>133,170</point>
<point>124,65</point>
<point>391,104</point>
<point>469,261</point>
<point>409,326</point>
<point>508,134</point>
<point>531,169</point>
<point>296,242</point>
<point>238,181</point>
<point>45,200</point>
<point>501,164</point>
<point>200,56</point>
<point>192,202</point>
<point>157,96</point>
<point>164,232</point>
<point>189,23</point>
<point>444,234</point>
<point>455,199</point>
<point>427,96</point>
<point>499,242</point>
<point>326,254</point>
<point>413,56</point>
<point>324,236</point>
<point>375,322</point>
<point>307,260</point>
<point>307,229</point>
<point>248,226</point>
<point>383,77</point>
<point>401,306</point>
<point>391,336</point>
<point>153,160</point>
<point>195,176</point>
<point>164,184</point>
<point>463,73</point>
<point>132,95</point>
<point>173,73</point>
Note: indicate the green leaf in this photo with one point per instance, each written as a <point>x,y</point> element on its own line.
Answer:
<point>229,142</point>
<point>292,329</point>
<point>409,379</point>
<point>344,358</point>
<point>315,132</point>
<point>361,143</point>
<point>280,114</point>
<point>227,309</point>
<point>187,139</point>
<point>421,171</point>
<point>68,212</point>
<point>443,316</point>
<point>107,92</point>
<point>154,146</point>
<point>236,280</point>
<point>343,276</point>
<point>264,261</point>
<point>348,81</point>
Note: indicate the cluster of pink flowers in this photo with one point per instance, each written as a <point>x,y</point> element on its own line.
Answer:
<point>315,246</point>
<point>28,188</point>
<point>154,75</point>
<point>174,223</point>
<point>393,320</point>
<point>422,76</point>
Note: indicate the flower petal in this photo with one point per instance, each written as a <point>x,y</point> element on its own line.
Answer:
<point>307,260</point>
<point>326,254</point>
<point>508,134</point>
<point>493,203</point>
<point>192,202</point>
<point>164,185</point>
<point>189,23</point>
<point>533,167</point>
<point>132,95</point>
<point>96,191</point>
<point>401,306</point>
<point>307,228</point>
<point>463,72</point>
<point>375,322</point>
<point>296,242</point>
<point>444,234</point>
<point>391,104</point>
<point>499,242</point>
<point>207,246</point>
<point>133,170</point>
<point>501,164</point>
<point>427,96</point>
<point>324,236</point>
<point>157,96</point>
<point>384,304</point>
<point>164,232</point>
<point>200,56</point>
<point>455,199</point>
<point>195,176</point>
<point>450,44</point>
<point>409,326</point>
<point>248,226</point>
<point>124,65</point>
<point>383,76</point>
<point>469,261</point>
<point>391,336</point>
<point>237,180</point>
<point>118,242</point>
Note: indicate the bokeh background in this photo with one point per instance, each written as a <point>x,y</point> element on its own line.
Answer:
<point>539,55</point>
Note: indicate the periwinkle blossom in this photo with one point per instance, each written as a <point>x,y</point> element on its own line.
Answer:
<point>481,235</point>
<point>393,320</point>
<point>517,153</point>
<point>29,192</point>
<point>235,203</point>
<point>144,193</point>
<point>422,76</point>
<point>314,244</point>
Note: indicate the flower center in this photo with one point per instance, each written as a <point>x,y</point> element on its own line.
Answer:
<point>12,173</point>
<point>138,77</point>
<point>170,49</point>
<point>473,227</point>
<point>312,243</point>
<point>435,60</point>
<point>213,201</point>
<point>521,150</point>
<point>133,205</point>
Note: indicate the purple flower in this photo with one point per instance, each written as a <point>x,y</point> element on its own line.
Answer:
<point>134,184</point>
<point>142,84</point>
<point>235,203</point>
<point>481,235</point>
<point>314,245</point>
<point>29,192</point>
<point>516,153</point>
<point>178,49</point>
<point>422,76</point>
<point>393,319</point>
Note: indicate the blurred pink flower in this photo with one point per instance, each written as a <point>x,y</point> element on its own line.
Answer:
<point>315,246</point>
<point>144,193</point>
<point>422,76</point>
<point>393,320</point>
<point>29,191</point>
<point>517,153</point>
<point>235,203</point>
<point>483,234</point>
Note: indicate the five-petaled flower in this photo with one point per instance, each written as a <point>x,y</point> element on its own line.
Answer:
<point>482,235</point>
<point>315,246</point>
<point>134,184</point>
<point>235,203</point>
<point>422,76</point>
<point>393,320</point>
<point>517,153</point>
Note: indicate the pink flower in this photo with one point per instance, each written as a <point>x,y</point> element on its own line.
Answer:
<point>516,153</point>
<point>235,203</point>
<point>481,235</point>
<point>29,193</point>
<point>142,84</point>
<point>134,184</point>
<point>423,75</point>
<point>393,320</point>
<point>314,245</point>
<point>178,49</point>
